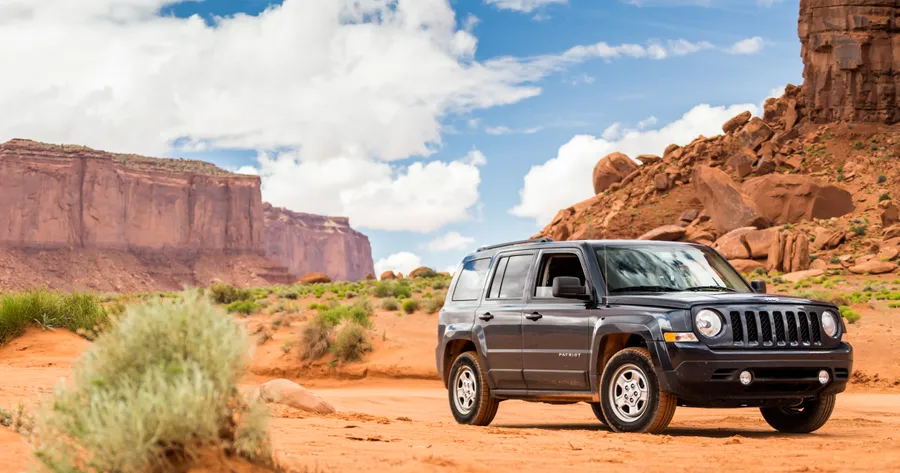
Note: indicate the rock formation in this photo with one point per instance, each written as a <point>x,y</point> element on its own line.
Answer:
<point>612,169</point>
<point>313,243</point>
<point>851,57</point>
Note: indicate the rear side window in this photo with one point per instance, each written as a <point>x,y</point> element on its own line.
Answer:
<point>471,280</point>
<point>509,280</point>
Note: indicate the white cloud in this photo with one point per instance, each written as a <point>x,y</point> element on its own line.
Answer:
<point>524,6</point>
<point>449,241</point>
<point>647,122</point>
<point>505,130</point>
<point>747,46</point>
<point>568,174</point>
<point>402,262</point>
<point>582,79</point>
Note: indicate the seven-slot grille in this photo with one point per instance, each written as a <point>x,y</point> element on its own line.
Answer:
<point>775,328</point>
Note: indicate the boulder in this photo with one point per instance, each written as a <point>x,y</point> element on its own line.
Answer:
<point>661,181</point>
<point>798,276</point>
<point>289,393</point>
<point>689,215</point>
<point>792,198</point>
<point>873,266</point>
<point>789,252</point>
<point>664,233</point>
<point>890,215</point>
<point>891,232</point>
<point>755,133</point>
<point>612,169</point>
<point>732,125</point>
<point>315,278</point>
<point>746,266</point>
<point>827,239</point>
<point>759,242</point>
<point>387,275</point>
<point>818,263</point>
<point>646,159</point>
<point>732,246</point>
<point>422,272</point>
<point>888,253</point>
<point>741,163</point>
<point>724,201</point>
<point>370,277</point>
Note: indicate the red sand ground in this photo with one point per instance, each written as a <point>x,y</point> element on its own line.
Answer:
<point>392,420</point>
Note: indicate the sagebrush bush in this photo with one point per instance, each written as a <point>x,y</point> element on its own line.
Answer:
<point>334,315</point>
<point>226,293</point>
<point>402,291</point>
<point>152,393</point>
<point>315,340</point>
<point>410,305</point>
<point>245,307</point>
<point>432,305</point>
<point>75,312</point>
<point>851,315</point>
<point>390,304</point>
<point>383,289</point>
<point>351,342</point>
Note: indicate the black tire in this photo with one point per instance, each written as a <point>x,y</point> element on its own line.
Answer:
<point>598,412</point>
<point>808,417</point>
<point>654,414</point>
<point>479,408</point>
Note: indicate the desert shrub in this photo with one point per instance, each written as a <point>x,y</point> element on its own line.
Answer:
<point>402,290</point>
<point>18,421</point>
<point>365,304</point>
<point>226,293</point>
<point>432,305</point>
<point>333,316</point>
<point>152,393</point>
<point>243,307</point>
<point>351,295</point>
<point>882,178</point>
<point>75,312</point>
<point>883,197</point>
<point>851,315</point>
<point>859,145</point>
<point>859,229</point>
<point>382,289</point>
<point>315,340</point>
<point>410,305</point>
<point>351,342</point>
<point>438,285</point>
<point>894,305</point>
<point>390,304</point>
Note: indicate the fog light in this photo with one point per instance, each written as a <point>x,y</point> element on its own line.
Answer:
<point>824,377</point>
<point>746,378</point>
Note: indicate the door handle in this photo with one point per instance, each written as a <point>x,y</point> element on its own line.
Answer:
<point>534,316</point>
<point>486,316</point>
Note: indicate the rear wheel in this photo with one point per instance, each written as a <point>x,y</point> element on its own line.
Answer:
<point>631,400</point>
<point>598,412</point>
<point>808,416</point>
<point>470,396</point>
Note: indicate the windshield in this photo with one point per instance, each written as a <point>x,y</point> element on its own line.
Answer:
<point>667,268</point>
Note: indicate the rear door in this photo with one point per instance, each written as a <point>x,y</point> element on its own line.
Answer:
<point>500,319</point>
<point>556,332</point>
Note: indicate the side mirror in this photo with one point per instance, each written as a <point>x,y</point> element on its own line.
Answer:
<point>758,287</point>
<point>567,287</point>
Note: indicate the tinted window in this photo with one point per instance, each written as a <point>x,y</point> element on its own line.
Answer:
<point>513,285</point>
<point>471,280</point>
<point>498,276</point>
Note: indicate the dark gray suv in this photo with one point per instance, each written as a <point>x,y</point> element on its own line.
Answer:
<point>634,328</point>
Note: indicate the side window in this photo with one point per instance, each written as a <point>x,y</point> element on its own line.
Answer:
<point>553,266</point>
<point>510,282</point>
<point>471,280</point>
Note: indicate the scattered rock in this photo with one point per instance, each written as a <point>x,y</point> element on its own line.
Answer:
<point>422,272</point>
<point>289,393</point>
<point>723,200</point>
<point>612,169</point>
<point>818,263</point>
<point>888,253</point>
<point>315,278</point>
<point>755,133</point>
<point>661,181</point>
<point>370,277</point>
<point>746,266</point>
<point>798,276</point>
<point>646,159</point>
<point>891,232</point>
<point>828,239</point>
<point>792,198</point>
<point>387,275</point>
<point>873,266</point>
<point>664,233</point>
<point>760,241</point>
<point>732,125</point>
<point>732,245</point>
<point>890,215</point>
<point>742,163</point>
<point>789,252</point>
<point>689,215</point>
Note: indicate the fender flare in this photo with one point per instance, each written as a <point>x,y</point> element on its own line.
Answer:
<point>647,327</point>
<point>455,332</point>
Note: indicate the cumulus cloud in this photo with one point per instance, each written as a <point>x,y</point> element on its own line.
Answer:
<point>402,262</point>
<point>565,179</point>
<point>747,46</point>
<point>449,241</point>
<point>524,6</point>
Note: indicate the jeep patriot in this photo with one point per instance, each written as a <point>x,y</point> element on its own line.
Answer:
<point>634,328</point>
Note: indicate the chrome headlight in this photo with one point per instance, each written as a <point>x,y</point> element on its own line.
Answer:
<point>829,324</point>
<point>708,323</point>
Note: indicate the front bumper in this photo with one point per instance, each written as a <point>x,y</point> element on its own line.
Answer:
<point>702,377</point>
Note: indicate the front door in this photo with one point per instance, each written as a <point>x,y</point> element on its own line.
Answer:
<point>500,318</point>
<point>557,332</point>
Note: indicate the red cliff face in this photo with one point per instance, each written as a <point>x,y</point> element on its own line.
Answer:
<point>72,198</point>
<point>312,243</point>
<point>851,57</point>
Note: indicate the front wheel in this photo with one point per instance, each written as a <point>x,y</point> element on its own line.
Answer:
<point>809,416</point>
<point>470,396</point>
<point>598,412</point>
<point>630,396</point>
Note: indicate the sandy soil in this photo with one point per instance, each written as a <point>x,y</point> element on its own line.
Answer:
<point>393,414</point>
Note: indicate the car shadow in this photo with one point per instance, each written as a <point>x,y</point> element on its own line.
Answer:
<point>672,431</point>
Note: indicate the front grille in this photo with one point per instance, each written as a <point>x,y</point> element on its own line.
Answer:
<point>775,328</point>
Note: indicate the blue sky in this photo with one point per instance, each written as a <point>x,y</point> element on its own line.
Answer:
<point>475,134</point>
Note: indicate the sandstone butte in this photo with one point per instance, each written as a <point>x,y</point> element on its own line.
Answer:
<point>73,197</point>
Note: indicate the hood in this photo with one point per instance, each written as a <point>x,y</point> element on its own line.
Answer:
<point>688,299</point>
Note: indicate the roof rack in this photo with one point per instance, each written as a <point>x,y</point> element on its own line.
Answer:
<point>513,243</point>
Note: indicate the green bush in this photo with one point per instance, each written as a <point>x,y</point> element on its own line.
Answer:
<point>432,305</point>
<point>383,289</point>
<point>402,291</point>
<point>390,304</point>
<point>243,307</point>
<point>315,340</point>
<point>883,197</point>
<point>351,342</point>
<point>851,315</point>
<point>333,316</point>
<point>226,293</point>
<point>438,285</point>
<point>78,312</point>
<point>410,305</point>
<point>156,390</point>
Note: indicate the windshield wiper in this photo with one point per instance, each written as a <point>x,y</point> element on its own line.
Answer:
<point>711,288</point>
<point>645,289</point>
